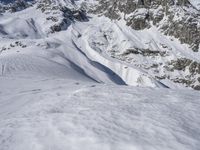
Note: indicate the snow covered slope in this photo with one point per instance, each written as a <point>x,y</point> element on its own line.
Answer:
<point>59,114</point>
<point>35,46</point>
<point>196,3</point>
<point>76,81</point>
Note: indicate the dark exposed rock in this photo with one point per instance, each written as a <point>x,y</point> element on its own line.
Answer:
<point>183,81</point>
<point>80,15</point>
<point>180,64</point>
<point>54,19</point>
<point>194,68</point>
<point>198,79</point>
<point>144,52</point>
<point>197,87</point>
<point>160,77</point>
<point>56,28</point>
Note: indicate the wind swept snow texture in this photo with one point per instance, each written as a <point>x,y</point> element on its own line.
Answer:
<point>62,114</point>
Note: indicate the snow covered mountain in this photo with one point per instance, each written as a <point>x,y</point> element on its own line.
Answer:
<point>99,74</point>
<point>164,40</point>
<point>55,27</point>
<point>158,40</point>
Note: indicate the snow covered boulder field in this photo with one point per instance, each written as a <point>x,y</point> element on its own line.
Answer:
<point>74,78</point>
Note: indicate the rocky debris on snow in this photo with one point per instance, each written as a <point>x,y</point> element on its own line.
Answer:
<point>12,45</point>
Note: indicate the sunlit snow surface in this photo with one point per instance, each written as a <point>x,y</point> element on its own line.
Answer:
<point>60,114</point>
<point>195,3</point>
<point>58,92</point>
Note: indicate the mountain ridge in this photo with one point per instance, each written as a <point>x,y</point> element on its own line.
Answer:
<point>155,45</point>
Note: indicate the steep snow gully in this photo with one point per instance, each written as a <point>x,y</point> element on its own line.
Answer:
<point>59,91</point>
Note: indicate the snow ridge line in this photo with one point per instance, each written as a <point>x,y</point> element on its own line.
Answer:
<point>128,74</point>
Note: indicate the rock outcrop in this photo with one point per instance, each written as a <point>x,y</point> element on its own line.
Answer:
<point>68,14</point>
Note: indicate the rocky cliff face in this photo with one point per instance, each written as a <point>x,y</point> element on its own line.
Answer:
<point>171,16</point>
